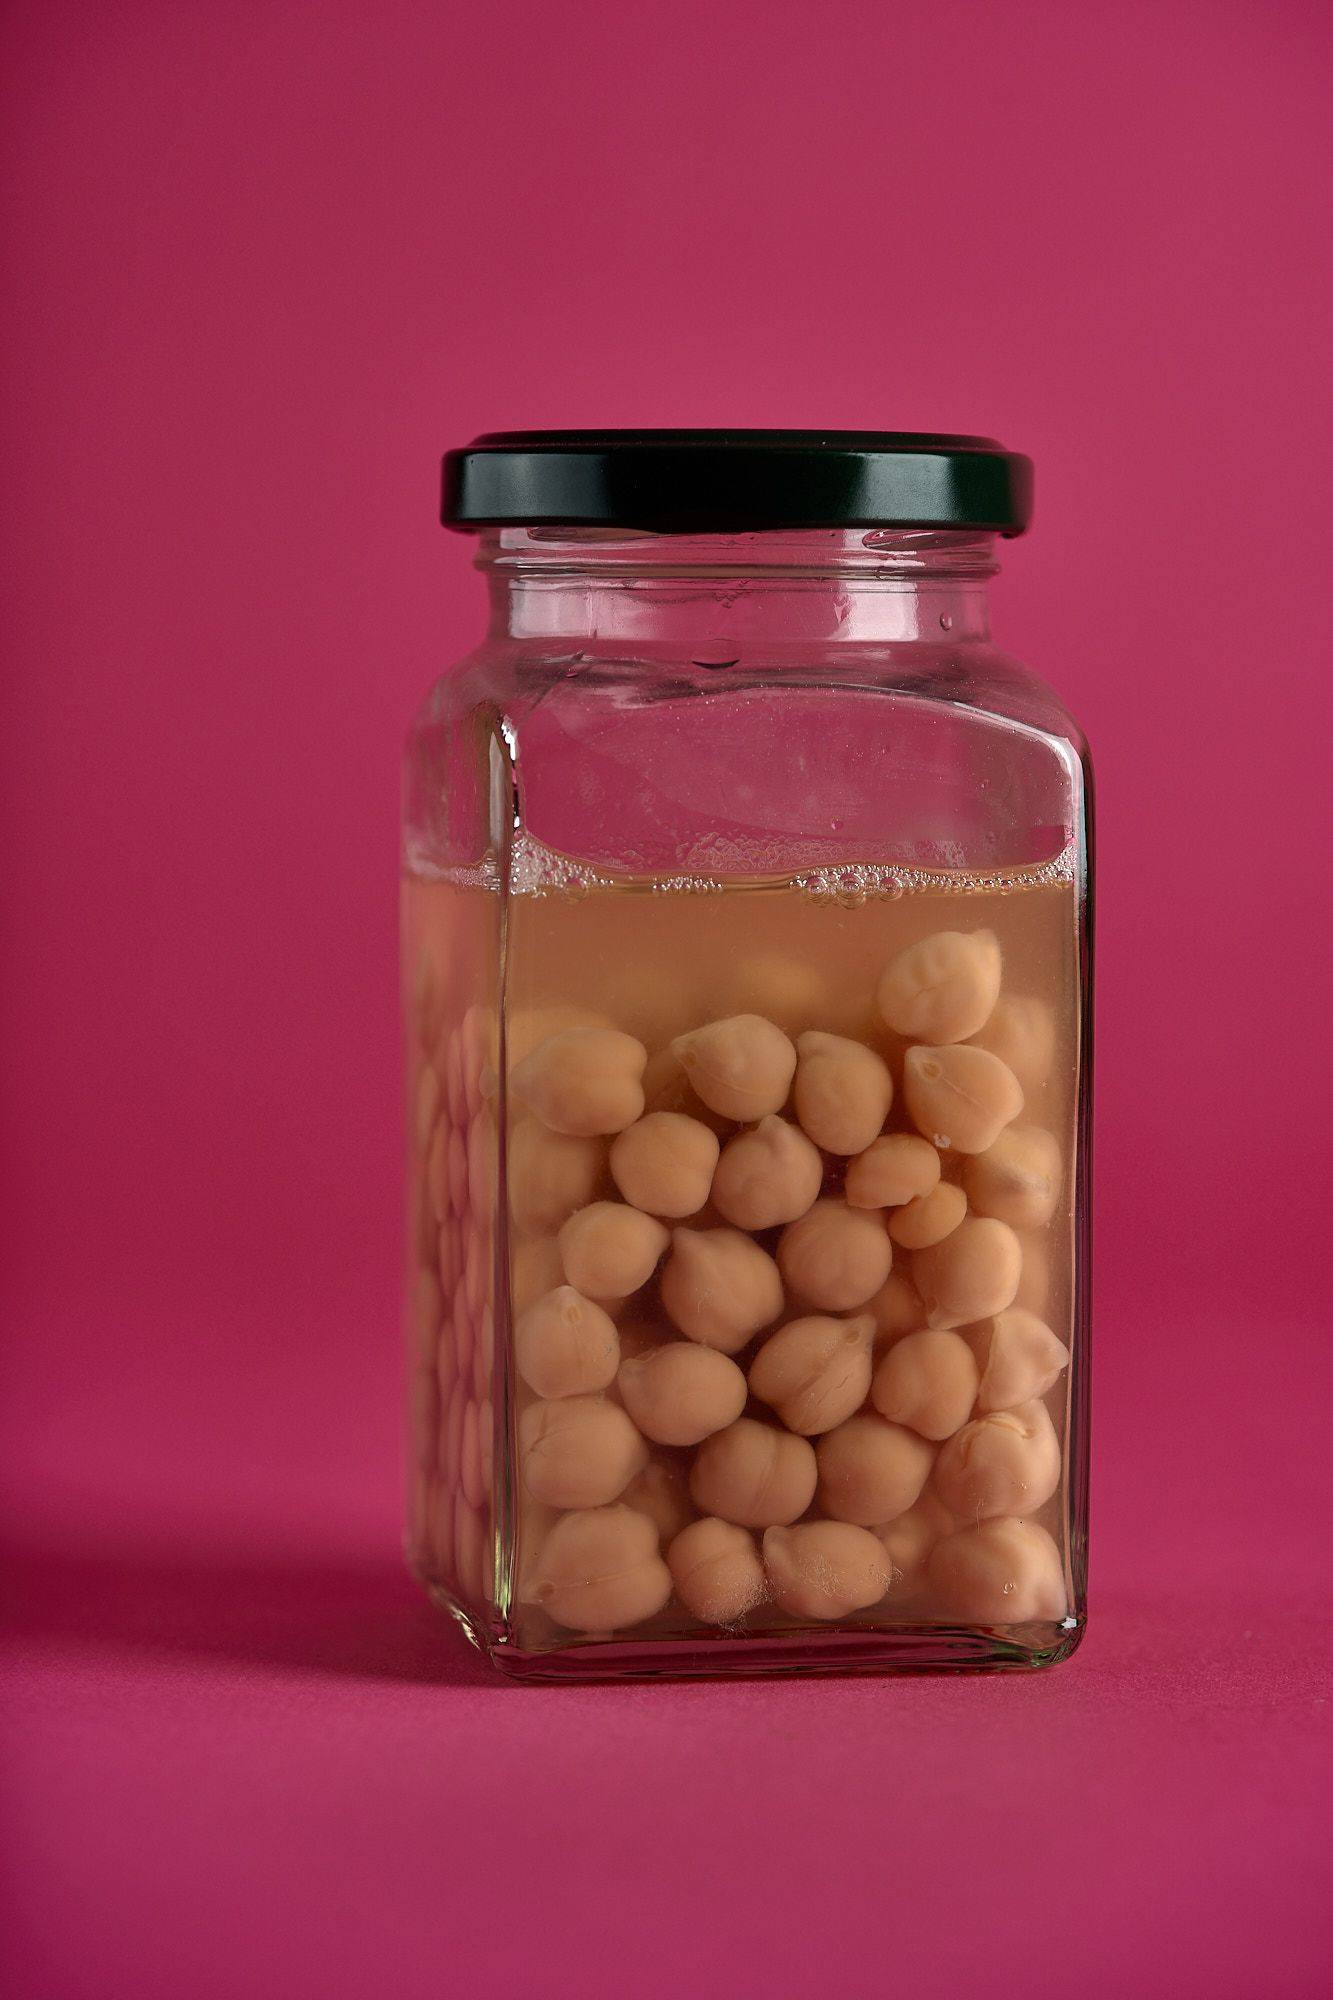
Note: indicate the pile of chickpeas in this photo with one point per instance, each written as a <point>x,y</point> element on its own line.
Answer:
<point>775,1360</point>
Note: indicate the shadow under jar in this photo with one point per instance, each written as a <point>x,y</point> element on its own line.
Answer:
<point>746,973</point>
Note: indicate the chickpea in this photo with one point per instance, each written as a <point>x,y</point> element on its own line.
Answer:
<point>896,1169</point>
<point>1019,1359</point>
<point>537,1269</point>
<point>664,1163</point>
<point>609,1250</point>
<point>716,1569</point>
<point>1021,1033</point>
<point>662,1492</point>
<point>908,1541</point>
<point>550,1175</point>
<point>825,1569</point>
<point>754,1475</point>
<point>767,1176</point>
<point>973,1273</point>
<point>843,1092</point>
<point>1017,1180</point>
<point>719,1287</point>
<point>601,1569</point>
<point>896,1309</point>
<point>1005,1463</point>
<point>742,1067</point>
<point>870,1470</point>
<point>961,1098</point>
<point>929,1218</point>
<point>834,1256</point>
<point>579,1451</point>
<point>564,1345</point>
<point>928,1381</point>
<point>814,1372</point>
<point>944,988</point>
<point>583,1082</point>
<point>1001,1572</point>
<point>681,1393</point>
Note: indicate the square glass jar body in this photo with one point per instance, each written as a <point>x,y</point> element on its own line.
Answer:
<point>784,778</point>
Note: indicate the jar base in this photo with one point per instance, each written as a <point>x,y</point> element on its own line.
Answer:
<point>902,1649</point>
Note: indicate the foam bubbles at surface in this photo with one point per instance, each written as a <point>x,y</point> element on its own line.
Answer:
<point>538,870</point>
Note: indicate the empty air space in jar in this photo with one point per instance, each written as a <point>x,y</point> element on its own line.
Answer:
<point>639,964</point>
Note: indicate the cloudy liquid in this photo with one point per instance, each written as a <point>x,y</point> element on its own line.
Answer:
<point>657,957</point>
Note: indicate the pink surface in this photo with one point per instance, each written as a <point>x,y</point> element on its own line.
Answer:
<point>264,262</point>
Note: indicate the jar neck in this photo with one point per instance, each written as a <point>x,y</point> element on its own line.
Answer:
<point>713,596</point>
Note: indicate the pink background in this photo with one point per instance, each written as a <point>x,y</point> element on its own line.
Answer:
<point>265,260</point>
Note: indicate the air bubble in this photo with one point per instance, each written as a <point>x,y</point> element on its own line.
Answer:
<point>483,874</point>
<point>538,870</point>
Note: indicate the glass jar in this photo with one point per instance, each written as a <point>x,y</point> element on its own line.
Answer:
<point>746,957</point>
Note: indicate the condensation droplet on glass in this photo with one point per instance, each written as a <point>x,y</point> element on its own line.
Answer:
<point>946,621</point>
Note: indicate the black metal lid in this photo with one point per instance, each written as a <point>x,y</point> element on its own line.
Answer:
<point>694,482</point>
